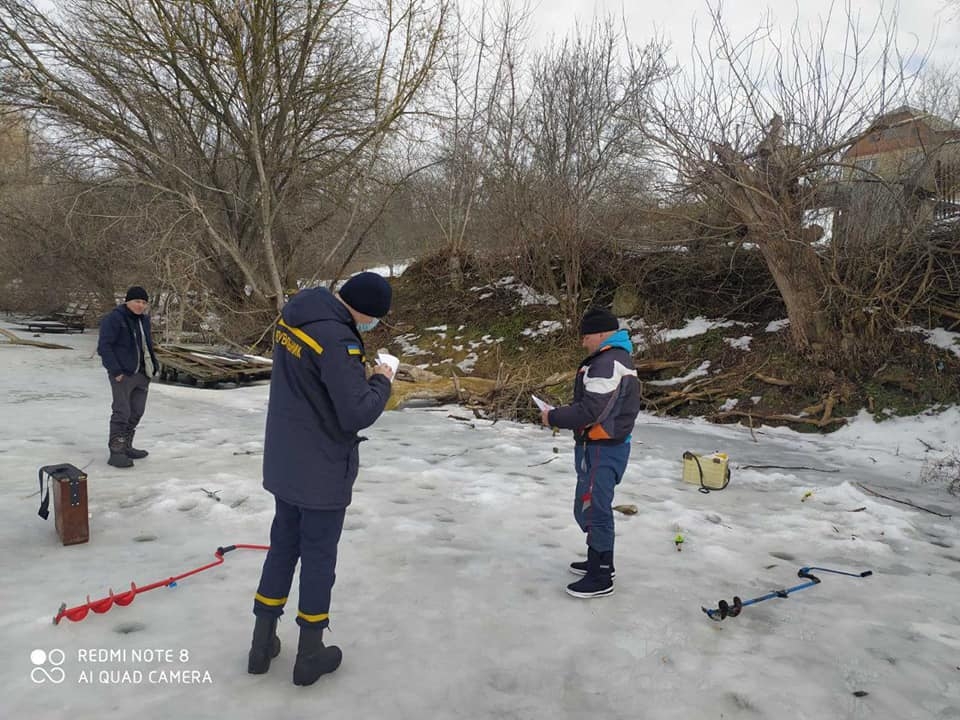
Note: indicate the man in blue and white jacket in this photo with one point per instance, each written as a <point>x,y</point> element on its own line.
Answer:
<point>606,401</point>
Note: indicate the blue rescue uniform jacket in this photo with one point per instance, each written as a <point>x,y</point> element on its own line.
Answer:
<point>320,398</point>
<point>606,395</point>
<point>119,346</point>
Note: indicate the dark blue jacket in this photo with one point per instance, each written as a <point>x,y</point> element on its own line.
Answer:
<point>320,398</point>
<point>119,342</point>
<point>606,395</point>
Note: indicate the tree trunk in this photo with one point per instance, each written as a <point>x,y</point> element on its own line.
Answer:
<point>764,196</point>
<point>455,270</point>
<point>796,270</point>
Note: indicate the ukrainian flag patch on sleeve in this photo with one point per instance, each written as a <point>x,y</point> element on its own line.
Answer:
<point>355,351</point>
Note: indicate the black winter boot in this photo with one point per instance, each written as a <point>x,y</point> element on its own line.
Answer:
<point>118,452</point>
<point>265,645</point>
<point>313,657</point>
<point>598,581</point>
<point>132,452</point>
<point>580,568</point>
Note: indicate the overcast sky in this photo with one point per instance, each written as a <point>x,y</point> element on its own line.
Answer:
<point>920,21</point>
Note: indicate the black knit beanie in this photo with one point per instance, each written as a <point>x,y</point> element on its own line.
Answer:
<point>598,320</point>
<point>367,293</point>
<point>136,293</point>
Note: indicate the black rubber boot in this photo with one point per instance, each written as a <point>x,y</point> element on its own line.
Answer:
<point>132,452</point>
<point>313,657</point>
<point>580,568</point>
<point>118,452</point>
<point>265,645</point>
<point>598,581</point>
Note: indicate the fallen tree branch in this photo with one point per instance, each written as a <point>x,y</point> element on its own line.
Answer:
<point>787,467</point>
<point>828,405</point>
<point>903,502</point>
<point>15,340</point>
<point>770,380</point>
<point>779,418</point>
<point>555,379</point>
<point>945,311</point>
<point>707,388</point>
<point>655,366</point>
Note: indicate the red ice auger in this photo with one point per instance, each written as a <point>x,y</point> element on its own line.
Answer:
<point>78,613</point>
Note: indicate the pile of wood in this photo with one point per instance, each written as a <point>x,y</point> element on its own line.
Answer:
<point>509,397</point>
<point>413,384</point>
<point>209,368</point>
<point>716,388</point>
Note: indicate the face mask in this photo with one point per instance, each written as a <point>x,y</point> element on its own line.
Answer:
<point>368,326</point>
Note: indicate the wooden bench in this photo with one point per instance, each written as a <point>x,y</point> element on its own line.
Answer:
<point>44,326</point>
<point>71,318</point>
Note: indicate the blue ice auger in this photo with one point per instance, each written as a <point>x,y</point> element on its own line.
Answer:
<point>725,609</point>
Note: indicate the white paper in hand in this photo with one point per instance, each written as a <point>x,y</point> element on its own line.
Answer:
<point>543,405</point>
<point>388,359</point>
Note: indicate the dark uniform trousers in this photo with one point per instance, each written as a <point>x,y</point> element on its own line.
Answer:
<point>129,402</point>
<point>310,536</point>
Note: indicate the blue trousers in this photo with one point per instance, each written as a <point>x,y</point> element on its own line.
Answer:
<point>310,536</point>
<point>599,470</point>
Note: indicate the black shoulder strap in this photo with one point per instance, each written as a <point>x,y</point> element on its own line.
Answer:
<point>44,511</point>
<point>693,456</point>
<point>54,471</point>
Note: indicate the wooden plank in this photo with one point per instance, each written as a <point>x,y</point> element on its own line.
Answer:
<point>208,367</point>
<point>14,340</point>
<point>52,326</point>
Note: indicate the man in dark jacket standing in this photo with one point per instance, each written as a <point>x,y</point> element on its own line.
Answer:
<point>125,346</point>
<point>320,397</point>
<point>606,401</point>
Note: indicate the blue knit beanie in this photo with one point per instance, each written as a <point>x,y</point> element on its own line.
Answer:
<point>367,293</point>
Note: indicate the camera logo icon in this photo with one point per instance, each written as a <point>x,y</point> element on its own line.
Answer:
<point>46,666</point>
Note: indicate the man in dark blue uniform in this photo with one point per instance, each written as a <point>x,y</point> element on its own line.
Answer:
<point>320,397</point>
<point>126,351</point>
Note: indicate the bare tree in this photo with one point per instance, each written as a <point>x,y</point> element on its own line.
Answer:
<point>755,128</point>
<point>473,79</point>
<point>571,160</point>
<point>235,111</point>
<point>938,92</point>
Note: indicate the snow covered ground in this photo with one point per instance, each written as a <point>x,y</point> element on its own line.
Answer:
<point>449,600</point>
